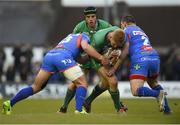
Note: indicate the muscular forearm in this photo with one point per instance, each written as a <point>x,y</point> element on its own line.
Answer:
<point>117,65</point>
<point>93,53</point>
<point>121,58</point>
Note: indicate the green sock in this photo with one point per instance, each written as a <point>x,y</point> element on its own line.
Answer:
<point>115,98</point>
<point>69,96</point>
<point>95,93</point>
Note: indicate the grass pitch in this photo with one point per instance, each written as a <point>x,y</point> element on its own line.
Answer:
<point>141,111</point>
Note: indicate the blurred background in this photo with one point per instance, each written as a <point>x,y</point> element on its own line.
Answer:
<point>29,28</point>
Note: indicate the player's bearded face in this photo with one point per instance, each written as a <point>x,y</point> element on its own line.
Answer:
<point>91,20</point>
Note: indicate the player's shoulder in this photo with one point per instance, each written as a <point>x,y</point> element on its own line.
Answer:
<point>111,28</point>
<point>80,27</point>
<point>84,35</point>
<point>132,27</point>
<point>129,29</point>
<point>81,24</point>
<point>103,23</point>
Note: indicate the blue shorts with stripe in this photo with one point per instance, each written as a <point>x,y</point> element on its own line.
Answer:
<point>58,60</point>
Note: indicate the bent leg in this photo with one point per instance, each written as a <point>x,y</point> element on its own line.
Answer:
<point>98,90</point>
<point>81,91</point>
<point>138,89</point>
<point>76,75</point>
<point>69,95</point>
<point>153,83</point>
<point>40,80</point>
<point>113,88</point>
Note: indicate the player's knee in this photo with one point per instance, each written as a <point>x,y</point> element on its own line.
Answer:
<point>72,86</point>
<point>36,88</point>
<point>134,92</point>
<point>135,85</point>
<point>83,85</point>
<point>80,82</point>
<point>113,82</point>
<point>44,85</point>
<point>105,86</point>
<point>114,85</point>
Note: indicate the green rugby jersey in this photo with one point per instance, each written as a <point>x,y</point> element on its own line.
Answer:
<point>83,27</point>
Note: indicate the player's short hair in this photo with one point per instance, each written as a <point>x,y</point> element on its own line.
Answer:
<point>119,36</point>
<point>128,19</point>
<point>90,10</point>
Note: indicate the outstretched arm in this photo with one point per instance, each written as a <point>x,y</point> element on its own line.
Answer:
<point>93,53</point>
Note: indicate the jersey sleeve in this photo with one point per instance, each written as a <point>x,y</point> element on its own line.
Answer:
<point>75,30</point>
<point>85,38</point>
<point>84,41</point>
<point>78,27</point>
<point>127,35</point>
<point>109,25</point>
<point>103,24</point>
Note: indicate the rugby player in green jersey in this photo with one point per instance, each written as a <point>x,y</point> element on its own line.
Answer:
<point>91,25</point>
<point>103,39</point>
<point>109,37</point>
